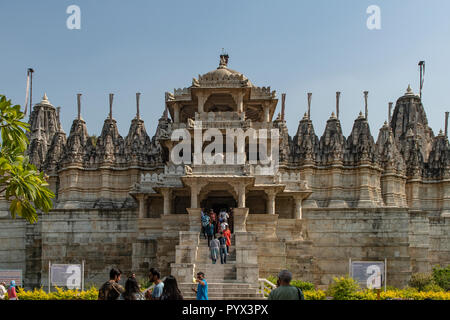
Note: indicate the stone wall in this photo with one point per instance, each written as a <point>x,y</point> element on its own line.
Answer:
<point>439,253</point>
<point>315,248</point>
<point>103,238</point>
<point>359,234</point>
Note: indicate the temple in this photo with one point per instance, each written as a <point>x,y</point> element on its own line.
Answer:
<point>124,202</point>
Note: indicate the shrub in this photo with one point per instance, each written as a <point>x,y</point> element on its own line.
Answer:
<point>314,295</point>
<point>420,280</point>
<point>441,277</point>
<point>433,287</point>
<point>343,288</point>
<point>59,294</point>
<point>303,285</point>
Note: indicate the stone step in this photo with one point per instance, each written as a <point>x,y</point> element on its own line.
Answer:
<point>231,285</point>
<point>223,291</point>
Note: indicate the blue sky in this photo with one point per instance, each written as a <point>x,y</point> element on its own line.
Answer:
<point>296,47</point>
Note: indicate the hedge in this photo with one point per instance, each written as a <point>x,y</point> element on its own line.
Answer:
<point>59,294</point>
<point>92,294</point>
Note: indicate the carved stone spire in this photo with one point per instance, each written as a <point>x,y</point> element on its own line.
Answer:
<point>388,155</point>
<point>43,126</point>
<point>360,145</point>
<point>56,152</point>
<point>305,144</point>
<point>137,143</point>
<point>409,115</point>
<point>438,165</point>
<point>410,149</point>
<point>77,142</point>
<point>110,144</point>
<point>332,142</point>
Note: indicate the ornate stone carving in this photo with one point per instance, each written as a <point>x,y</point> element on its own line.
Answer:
<point>409,114</point>
<point>360,145</point>
<point>110,144</point>
<point>388,155</point>
<point>332,143</point>
<point>137,143</point>
<point>75,149</point>
<point>438,165</point>
<point>305,144</point>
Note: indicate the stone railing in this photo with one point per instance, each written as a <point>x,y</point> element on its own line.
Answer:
<point>219,116</point>
<point>265,287</point>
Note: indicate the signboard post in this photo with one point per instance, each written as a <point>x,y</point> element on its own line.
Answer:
<point>369,274</point>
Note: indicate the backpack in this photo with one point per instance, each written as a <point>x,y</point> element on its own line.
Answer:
<point>205,221</point>
<point>300,294</point>
<point>108,292</point>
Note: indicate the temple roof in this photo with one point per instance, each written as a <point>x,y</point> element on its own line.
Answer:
<point>222,75</point>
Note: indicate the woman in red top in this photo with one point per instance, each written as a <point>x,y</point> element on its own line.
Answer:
<point>12,295</point>
<point>227,235</point>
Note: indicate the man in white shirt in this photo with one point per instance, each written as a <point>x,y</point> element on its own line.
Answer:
<point>2,291</point>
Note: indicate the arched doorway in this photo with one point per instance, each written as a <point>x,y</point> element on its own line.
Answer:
<point>218,200</point>
<point>218,197</point>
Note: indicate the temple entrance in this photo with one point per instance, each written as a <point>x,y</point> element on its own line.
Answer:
<point>218,201</point>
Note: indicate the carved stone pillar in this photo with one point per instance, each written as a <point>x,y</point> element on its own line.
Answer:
<point>241,195</point>
<point>240,219</point>
<point>271,194</point>
<point>239,98</point>
<point>201,97</point>
<point>298,207</point>
<point>194,196</point>
<point>167,194</point>
<point>176,113</point>
<point>142,199</point>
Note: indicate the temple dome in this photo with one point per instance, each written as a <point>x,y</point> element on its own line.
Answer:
<point>224,73</point>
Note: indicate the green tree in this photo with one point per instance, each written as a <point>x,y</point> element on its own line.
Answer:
<point>20,182</point>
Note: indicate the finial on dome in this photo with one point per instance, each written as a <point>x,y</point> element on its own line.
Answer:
<point>441,133</point>
<point>333,116</point>
<point>361,116</point>
<point>409,91</point>
<point>305,116</point>
<point>45,100</point>
<point>223,60</point>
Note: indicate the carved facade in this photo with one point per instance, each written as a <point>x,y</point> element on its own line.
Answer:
<point>332,198</point>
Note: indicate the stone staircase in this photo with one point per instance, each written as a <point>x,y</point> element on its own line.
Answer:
<point>223,283</point>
